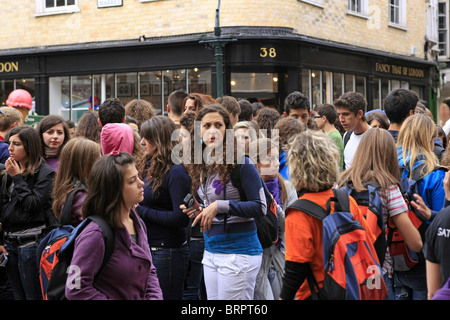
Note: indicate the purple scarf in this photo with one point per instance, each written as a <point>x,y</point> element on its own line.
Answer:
<point>275,189</point>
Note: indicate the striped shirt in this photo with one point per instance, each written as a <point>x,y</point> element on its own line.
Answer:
<point>393,204</point>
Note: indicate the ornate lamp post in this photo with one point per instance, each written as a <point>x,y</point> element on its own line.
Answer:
<point>218,43</point>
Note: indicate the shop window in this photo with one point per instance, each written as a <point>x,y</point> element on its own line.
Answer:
<point>104,88</point>
<point>6,87</point>
<point>349,82</point>
<point>306,83</point>
<point>338,85</point>
<point>376,91</point>
<point>126,86</point>
<point>360,85</point>
<point>316,87</point>
<point>385,89</point>
<point>418,90</point>
<point>45,7</point>
<point>253,83</point>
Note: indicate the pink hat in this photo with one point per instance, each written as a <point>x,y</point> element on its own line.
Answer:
<point>117,137</point>
<point>20,98</point>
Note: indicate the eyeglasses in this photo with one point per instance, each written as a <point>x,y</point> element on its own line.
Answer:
<point>315,117</point>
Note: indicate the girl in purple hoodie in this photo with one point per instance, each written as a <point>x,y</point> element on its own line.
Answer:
<point>114,188</point>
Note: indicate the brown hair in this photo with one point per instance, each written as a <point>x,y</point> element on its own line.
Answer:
<point>267,118</point>
<point>32,145</point>
<point>199,171</point>
<point>200,100</point>
<point>158,131</point>
<point>76,160</point>
<point>106,180</point>
<point>140,110</point>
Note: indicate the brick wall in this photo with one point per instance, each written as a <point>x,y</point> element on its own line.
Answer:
<point>22,28</point>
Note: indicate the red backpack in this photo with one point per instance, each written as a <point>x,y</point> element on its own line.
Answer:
<point>352,270</point>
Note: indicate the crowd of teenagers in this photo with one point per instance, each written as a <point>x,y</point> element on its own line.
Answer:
<point>134,169</point>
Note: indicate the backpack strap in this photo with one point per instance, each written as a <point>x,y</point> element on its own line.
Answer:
<point>108,236</point>
<point>341,200</point>
<point>66,212</point>
<point>309,207</point>
<point>347,136</point>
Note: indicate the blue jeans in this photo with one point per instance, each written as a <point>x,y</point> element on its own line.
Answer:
<point>171,266</point>
<point>195,286</point>
<point>411,285</point>
<point>390,287</point>
<point>22,269</point>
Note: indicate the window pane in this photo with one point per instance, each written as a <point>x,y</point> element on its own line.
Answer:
<point>305,83</point>
<point>70,2</point>
<point>252,82</point>
<point>49,3</point>
<point>60,3</point>
<point>59,96</point>
<point>103,88</point>
<point>360,85</point>
<point>376,95</point>
<point>28,85</point>
<point>418,90</point>
<point>316,88</point>
<point>200,80</point>
<point>349,82</point>
<point>384,91</point>
<point>126,86</point>
<point>6,87</point>
<point>337,85</point>
<point>150,88</point>
<point>81,96</point>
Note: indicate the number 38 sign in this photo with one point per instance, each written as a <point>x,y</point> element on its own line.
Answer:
<point>266,52</point>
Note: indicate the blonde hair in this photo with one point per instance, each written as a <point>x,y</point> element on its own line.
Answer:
<point>416,138</point>
<point>313,161</point>
<point>375,158</point>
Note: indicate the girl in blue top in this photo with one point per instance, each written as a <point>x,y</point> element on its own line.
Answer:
<point>233,253</point>
<point>415,150</point>
<point>166,185</point>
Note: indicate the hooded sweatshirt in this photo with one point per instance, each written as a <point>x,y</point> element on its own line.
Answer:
<point>117,137</point>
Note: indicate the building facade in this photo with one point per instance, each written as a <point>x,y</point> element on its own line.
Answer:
<point>73,54</point>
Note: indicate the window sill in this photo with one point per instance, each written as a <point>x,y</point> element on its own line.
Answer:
<point>358,14</point>
<point>313,3</point>
<point>52,13</point>
<point>397,26</point>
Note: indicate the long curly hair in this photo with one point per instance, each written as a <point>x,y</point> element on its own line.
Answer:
<point>199,170</point>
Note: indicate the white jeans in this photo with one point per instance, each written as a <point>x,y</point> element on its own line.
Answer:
<point>230,276</point>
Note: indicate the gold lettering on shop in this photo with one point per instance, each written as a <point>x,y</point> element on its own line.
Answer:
<point>9,66</point>
<point>399,70</point>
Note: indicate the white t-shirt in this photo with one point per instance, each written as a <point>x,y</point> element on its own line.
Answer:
<point>446,127</point>
<point>350,148</point>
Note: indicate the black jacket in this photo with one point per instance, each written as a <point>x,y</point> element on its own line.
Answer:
<point>26,202</point>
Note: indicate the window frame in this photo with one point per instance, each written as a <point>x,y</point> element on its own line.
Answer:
<point>363,4</point>
<point>401,7</point>
<point>317,3</point>
<point>42,10</point>
<point>443,53</point>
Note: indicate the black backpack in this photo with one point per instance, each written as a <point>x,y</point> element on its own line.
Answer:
<point>267,225</point>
